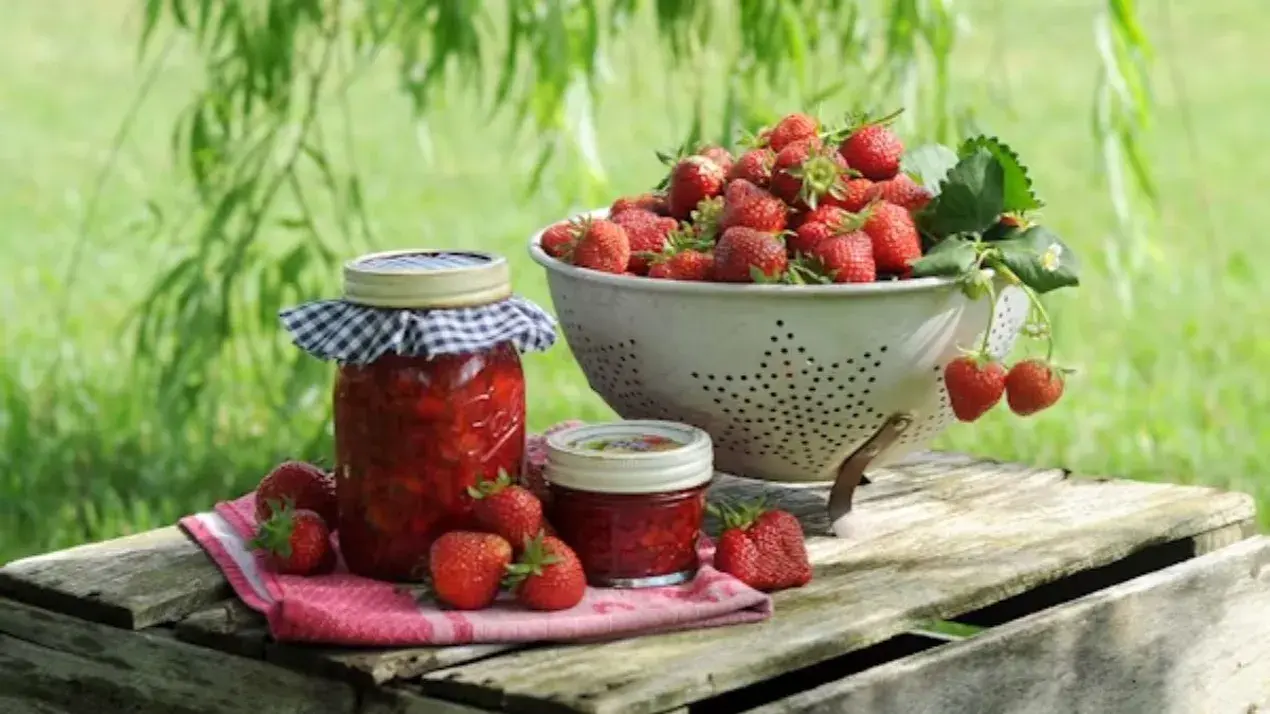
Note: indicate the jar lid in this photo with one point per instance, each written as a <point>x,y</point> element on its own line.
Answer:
<point>427,279</point>
<point>630,457</point>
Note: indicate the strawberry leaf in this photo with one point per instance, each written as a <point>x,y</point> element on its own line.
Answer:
<point>1040,259</point>
<point>952,256</point>
<point>929,164</point>
<point>970,198</point>
<point>1019,195</point>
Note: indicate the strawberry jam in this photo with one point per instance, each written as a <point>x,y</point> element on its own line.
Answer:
<point>631,539</point>
<point>411,435</point>
<point>629,498</point>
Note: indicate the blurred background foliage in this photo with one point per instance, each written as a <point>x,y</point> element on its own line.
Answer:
<point>180,169</point>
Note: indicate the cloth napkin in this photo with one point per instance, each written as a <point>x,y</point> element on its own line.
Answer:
<point>345,609</point>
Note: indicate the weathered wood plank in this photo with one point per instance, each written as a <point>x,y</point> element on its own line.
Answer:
<point>55,661</point>
<point>134,582</point>
<point>955,541</point>
<point>398,701</point>
<point>1192,638</point>
<point>231,626</point>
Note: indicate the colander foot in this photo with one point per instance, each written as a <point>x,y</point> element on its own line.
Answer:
<point>851,473</point>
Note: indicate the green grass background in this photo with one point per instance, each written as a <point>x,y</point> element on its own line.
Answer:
<point>1166,332</point>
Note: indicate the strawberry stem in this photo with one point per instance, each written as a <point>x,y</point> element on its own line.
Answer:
<point>1035,300</point>
<point>992,313</point>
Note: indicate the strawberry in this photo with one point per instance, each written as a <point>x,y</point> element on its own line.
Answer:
<point>559,239</point>
<point>763,548</point>
<point>303,485</point>
<point>690,265</point>
<point>646,232</point>
<point>603,246</point>
<point>718,155</point>
<point>748,205</point>
<point>804,172</point>
<point>846,258</point>
<point>1033,385</point>
<point>808,234</point>
<point>744,255</point>
<point>851,194</point>
<point>754,166</point>
<point>652,201</point>
<point>467,568</point>
<point>904,191</point>
<point>975,383</point>
<point>295,541</point>
<point>685,257</point>
<point>794,127</point>
<point>705,220</point>
<point>826,213</point>
<point>895,239</point>
<point>548,575</point>
<point>506,508</point>
<point>694,179</point>
<point>873,150</point>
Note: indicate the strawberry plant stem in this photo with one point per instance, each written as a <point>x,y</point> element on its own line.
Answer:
<point>992,312</point>
<point>1036,305</point>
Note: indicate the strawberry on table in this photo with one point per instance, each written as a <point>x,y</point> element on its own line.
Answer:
<point>745,204</point>
<point>762,547</point>
<point>548,575</point>
<point>692,180</point>
<point>744,255</point>
<point>295,541</point>
<point>467,568</point>
<point>603,246</point>
<point>1032,386</point>
<point>303,485</point>
<point>873,150</point>
<point>975,383</point>
<point>507,509</point>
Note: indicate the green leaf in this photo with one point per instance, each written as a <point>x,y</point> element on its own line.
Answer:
<point>1019,195</point>
<point>1040,259</point>
<point>970,198</point>
<point>952,256</point>
<point>929,164</point>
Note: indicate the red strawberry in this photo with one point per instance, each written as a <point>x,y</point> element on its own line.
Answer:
<point>904,191</point>
<point>873,150</point>
<point>975,384</point>
<point>690,265</point>
<point>804,172</point>
<point>762,548</point>
<point>718,155</point>
<point>754,166</point>
<point>808,235</point>
<point>505,508</point>
<point>847,258</point>
<point>793,127</point>
<point>548,575</point>
<point>660,271</point>
<point>748,205</point>
<point>895,238</point>
<point>296,542</point>
<point>654,202</point>
<point>1033,385</point>
<point>647,233</point>
<point>558,240</point>
<point>302,484</point>
<point>826,213</point>
<point>693,179</point>
<point>603,246</point>
<point>467,568</point>
<point>743,254</point>
<point>852,194</point>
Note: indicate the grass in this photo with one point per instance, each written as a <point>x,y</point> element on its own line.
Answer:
<point>1165,330</point>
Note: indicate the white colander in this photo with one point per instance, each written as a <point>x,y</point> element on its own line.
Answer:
<point>790,382</point>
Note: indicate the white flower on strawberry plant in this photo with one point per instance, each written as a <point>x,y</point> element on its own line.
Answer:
<point>1050,260</point>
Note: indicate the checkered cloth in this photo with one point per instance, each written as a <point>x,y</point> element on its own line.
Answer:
<point>357,334</point>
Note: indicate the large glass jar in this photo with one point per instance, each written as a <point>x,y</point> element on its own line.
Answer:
<point>411,435</point>
<point>629,498</point>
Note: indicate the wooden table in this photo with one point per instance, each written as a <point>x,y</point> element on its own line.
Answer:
<point>975,586</point>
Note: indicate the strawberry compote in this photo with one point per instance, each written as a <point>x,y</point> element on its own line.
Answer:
<point>411,435</point>
<point>631,539</point>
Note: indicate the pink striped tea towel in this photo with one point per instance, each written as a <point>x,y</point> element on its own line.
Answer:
<point>346,609</point>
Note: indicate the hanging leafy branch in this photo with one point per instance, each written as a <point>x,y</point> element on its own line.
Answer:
<point>265,154</point>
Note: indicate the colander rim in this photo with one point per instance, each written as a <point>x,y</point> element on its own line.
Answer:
<point>686,286</point>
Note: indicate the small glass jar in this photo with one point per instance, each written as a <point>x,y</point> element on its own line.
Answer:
<point>629,498</point>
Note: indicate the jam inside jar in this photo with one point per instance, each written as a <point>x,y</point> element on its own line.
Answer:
<point>411,435</point>
<point>631,540</point>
